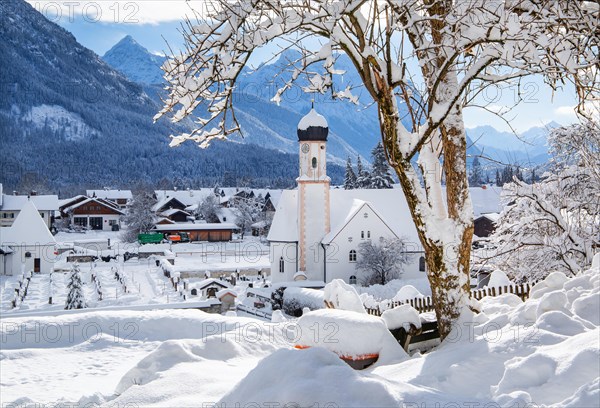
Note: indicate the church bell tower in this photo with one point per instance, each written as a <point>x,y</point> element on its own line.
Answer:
<point>313,194</point>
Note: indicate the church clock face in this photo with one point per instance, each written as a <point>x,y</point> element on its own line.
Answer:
<point>305,148</point>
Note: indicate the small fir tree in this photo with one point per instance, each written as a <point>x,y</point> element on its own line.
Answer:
<point>75,297</point>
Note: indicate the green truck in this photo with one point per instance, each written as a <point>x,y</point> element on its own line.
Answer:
<point>150,238</point>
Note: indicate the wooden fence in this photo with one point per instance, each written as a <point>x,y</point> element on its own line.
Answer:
<point>425,304</point>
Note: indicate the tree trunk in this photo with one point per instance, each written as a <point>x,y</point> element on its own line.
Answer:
<point>447,254</point>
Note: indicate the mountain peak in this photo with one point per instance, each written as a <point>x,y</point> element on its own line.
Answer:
<point>135,62</point>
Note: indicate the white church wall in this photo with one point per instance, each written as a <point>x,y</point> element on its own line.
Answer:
<point>361,229</point>
<point>286,251</point>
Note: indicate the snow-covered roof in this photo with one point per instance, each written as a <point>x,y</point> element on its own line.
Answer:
<point>110,194</point>
<point>186,197</point>
<point>28,229</point>
<point>210,281</point>
<point>225,291</point>
<point>312,119</point>
<point>172,211</point>
<point>486,200</point>
<point>94,200</point>
<point>42,202</point>
<point>195,227</point>
<point>389,204</point>
<point>490,216</point>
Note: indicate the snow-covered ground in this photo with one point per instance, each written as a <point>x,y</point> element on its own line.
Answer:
<point>144,282</point>
<point>542,352</point>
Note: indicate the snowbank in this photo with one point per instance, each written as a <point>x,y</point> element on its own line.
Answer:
<point>407,292</point>
<point>401,316</point>
<point>343,296</point>
<point>347,334</point>
<point>300,384</point>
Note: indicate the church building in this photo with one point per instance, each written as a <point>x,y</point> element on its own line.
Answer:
<point>316,231</point>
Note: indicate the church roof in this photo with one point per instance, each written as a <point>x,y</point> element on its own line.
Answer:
<point>389,204</point>
<point>313,127</point>
<point>29,228</point>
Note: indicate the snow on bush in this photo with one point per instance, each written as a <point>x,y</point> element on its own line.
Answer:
<point>401,316</point>
<point>348,333</point>
<point>343,296</point>
<point>296,299</point>
<point>498,279</point>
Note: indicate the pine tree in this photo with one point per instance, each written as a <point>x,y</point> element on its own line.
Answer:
<point>350,177</point>
<point>363,178</point>
<point>380,176</point>
<point>476,177</point>
<point>75,297</point>
<point>499,182</point>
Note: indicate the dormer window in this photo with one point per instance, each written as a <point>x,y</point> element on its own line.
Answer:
<point>314,162</point>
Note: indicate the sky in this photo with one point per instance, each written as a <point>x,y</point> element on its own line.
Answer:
<point>156,25</point>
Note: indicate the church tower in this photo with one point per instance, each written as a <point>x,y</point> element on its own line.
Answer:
<point>313,194</point>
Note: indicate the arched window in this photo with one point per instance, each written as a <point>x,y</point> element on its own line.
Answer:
<point>352,255</point>
<point>369,234</point>
<point>352,280</point>
<point>281,264</point>
<point>362,235</point>
<point>314,162</point>
<point>422,264</point>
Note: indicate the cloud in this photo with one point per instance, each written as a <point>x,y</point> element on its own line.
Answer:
<point>119,11</point>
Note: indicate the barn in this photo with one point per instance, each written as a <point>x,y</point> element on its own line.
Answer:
<point>212,232</point>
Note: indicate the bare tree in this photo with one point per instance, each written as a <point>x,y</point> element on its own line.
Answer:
<point>383,261</point>
<point>208,209</point>
<point>429,58</point>
<point>247,211</point>
<point>554,225</point>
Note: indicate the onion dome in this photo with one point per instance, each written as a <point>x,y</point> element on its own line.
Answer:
<point>313,127</point>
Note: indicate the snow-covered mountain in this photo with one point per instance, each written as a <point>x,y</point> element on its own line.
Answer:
<point>135,62</point>
<point>73,121</point>
<point>354,129</point>
<point>527,148</point>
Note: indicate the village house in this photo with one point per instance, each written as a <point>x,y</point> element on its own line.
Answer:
<point>119,197</point>
<point>316,231</point>
<point>92,213</point>
<point>27,245</point>
<point>11,205</point>
<point>208,288</point>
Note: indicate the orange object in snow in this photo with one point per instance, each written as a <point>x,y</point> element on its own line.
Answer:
<point>356,362</point>
<point>174,238</point>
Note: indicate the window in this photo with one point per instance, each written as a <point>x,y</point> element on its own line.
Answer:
<point>366,215</point>
<point>12,215</point>
<point>314,162</point>
<point>3,215</point>
<point>352,280</point>
<point>352,255</point>
<point>422,264</point>
<point>112,222</point>
<point>349,239</point>
<point>369,234</point>
<point>42,214</point>
<point>362,235</point>
<point>281,264</point>
<point>81,221</point>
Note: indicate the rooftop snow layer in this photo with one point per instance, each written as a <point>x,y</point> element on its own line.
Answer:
<point>312,119</point>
